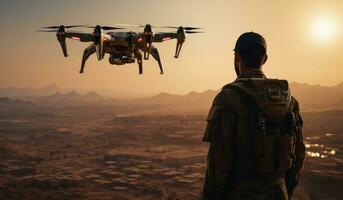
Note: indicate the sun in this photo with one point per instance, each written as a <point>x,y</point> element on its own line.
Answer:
<point>324,28</point>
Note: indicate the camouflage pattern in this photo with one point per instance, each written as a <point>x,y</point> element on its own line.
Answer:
<point>228,125</point>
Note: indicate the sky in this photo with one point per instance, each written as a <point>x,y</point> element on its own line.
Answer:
<point>304,39</point>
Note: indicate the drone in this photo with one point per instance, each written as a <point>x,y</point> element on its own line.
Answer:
<point>123,47</point>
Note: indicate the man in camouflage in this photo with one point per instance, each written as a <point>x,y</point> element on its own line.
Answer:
<point>255,132</point>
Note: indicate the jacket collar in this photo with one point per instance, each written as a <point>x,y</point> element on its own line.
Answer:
<point>257,73</point>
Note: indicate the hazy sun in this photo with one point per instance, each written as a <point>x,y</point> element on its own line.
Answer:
<point>324,28</point>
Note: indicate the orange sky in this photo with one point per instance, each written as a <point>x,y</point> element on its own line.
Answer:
<point>304,39</point>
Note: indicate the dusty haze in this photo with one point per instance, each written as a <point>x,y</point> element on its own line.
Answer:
<point>69,136</point>
<point>30,59</point>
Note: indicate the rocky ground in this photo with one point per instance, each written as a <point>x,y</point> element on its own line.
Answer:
<point>102,154</point>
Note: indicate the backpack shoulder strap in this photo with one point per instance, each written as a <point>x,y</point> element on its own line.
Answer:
<point>270,97</point>
<point>244,93</point>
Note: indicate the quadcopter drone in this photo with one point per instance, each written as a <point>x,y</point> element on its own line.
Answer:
<point>123,47</point>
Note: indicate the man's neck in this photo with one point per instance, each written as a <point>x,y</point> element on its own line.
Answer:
<point>251,73</point>
<point>245,70</point>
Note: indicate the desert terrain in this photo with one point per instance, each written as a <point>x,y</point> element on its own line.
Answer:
<point>104,152</point>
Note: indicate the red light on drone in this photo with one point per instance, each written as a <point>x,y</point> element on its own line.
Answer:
<point>168,38</point>
<point>75,38</point>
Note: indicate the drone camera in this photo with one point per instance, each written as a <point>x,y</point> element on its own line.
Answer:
<point>120,59</point>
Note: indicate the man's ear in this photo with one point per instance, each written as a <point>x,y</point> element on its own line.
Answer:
<point>265,59</point>
<point>237,58</point>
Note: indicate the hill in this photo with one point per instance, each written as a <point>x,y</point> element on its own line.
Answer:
<point>15,92</point>
<point>317,97</point>
<point>4,101</point>
<point>70,98</point>
<point>8,105</point>
<point>311,98</point>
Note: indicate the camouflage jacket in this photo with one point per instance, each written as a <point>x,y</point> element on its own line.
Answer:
<point>228,114</point>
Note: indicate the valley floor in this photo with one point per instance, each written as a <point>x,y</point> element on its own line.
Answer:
<point>101,154</point>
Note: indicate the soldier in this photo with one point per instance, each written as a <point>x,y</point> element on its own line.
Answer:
<point>255,132</point>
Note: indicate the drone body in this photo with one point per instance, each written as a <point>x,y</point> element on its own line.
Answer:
<point>123,47</point>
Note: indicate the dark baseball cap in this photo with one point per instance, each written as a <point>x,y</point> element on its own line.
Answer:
<point>249,39</point>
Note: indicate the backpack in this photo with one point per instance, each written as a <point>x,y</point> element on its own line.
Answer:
<point>273,131</point>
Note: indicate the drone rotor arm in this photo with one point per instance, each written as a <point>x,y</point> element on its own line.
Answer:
<point>164,36</point>
<point>82,37</point>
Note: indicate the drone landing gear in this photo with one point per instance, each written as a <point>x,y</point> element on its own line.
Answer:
<point>178,49</point>
<point>62,40</point>
<point>156,55</point>
<point>139,57</point>
<point>147,51</point>
<point>87,52</point>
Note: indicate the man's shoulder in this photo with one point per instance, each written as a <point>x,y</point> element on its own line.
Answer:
<point>294,100</point>
<point>226,96</point>
<point>295,104</point>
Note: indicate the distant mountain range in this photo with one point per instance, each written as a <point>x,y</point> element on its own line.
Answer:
<point>70,98</point>
<point>6,102</point>
<point>317,97</point>
<point>190,98</point>
<point>15,92</point>
<point>50,95</point>
<point>311,97</point>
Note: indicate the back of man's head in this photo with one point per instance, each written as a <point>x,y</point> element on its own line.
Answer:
<point>253,57</point>
<point>252,49</point>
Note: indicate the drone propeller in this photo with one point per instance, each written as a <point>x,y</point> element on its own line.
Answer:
<point>137,25</point>
<point>57,27</point>
<point>60,28</point>
<point>46,31</point>
<point>131,25</point>
<point>190,32</point>
<point>106,28</point>
<point>185,28</point>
